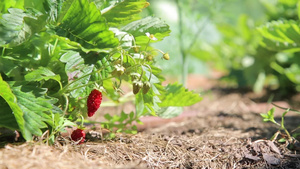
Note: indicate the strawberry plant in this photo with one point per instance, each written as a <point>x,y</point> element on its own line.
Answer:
<point>56,54</point>
<point>283,134</point>
<point>232,41</point>
<point>281,36</point>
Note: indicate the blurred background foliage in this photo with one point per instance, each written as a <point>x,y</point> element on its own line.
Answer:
<point>223,36</point>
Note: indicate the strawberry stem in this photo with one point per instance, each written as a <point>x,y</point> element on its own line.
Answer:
<point>150,71</point>
<point>82,121</point>
<point>147,45</point>
<point>89,83</point>
<point>67,103</point>
<point>3,50</point>
<point>64,89</point>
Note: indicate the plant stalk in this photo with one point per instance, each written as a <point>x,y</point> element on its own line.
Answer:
<point>184,70</point>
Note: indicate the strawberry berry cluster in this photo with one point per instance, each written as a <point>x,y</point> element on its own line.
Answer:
<point>93,103</point>
<point>95,97</point>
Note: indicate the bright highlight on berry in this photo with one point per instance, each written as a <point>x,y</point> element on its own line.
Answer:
<point>93,102</point>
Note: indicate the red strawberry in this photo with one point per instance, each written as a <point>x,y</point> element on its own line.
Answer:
<point>94,101</point>
<point>77,135</point>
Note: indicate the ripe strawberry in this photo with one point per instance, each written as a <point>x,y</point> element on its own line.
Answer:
<point>93,102</point>
<point>77,135</point>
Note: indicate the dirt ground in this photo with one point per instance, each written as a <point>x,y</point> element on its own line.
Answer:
<point>225,130</point>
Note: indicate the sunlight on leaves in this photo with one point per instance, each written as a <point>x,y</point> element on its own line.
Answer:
<point>150,24</point>
<point>81,21</point>
<point>177,95</point>
<point>281,35</point>
<point>124,12</point>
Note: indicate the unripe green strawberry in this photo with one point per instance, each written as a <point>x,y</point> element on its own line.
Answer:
<point>166,56</point>
<point>146,87</point>
<point>137,85</point>
<point>136,49</point>
<point>77,135</point>
<point>149,57</point>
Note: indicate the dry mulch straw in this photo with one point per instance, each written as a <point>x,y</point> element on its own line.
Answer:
<point>214,148</point>
<point>226,133</point>
<point>34,156</point>
<point>173,151</point>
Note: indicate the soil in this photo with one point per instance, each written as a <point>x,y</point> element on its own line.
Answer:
<point>225,130</point>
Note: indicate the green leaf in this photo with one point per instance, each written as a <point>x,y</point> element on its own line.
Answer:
<point>150,24</point>
<point>108,117</point>
<point>269,116</point>
<point>66,43</point>
<point>53,8</point>
<point>18,26</point>
<point>36,4</point>
<point>290,3</point>
<point>111,92</point>
<point>42,73</point>
<point>12,27</point>
<point>293,73</point>
<point>7,118</point>
<point>139,104</point>
<point>61,122</point>
<point>124,12</point>
<point>7,66</point>
<point>298,9</point>
<point>281,35</point>
<point>282,140</point>
<point>12,116</point>
<point>178,96</point>
<point>35,107</point>
<point>123,117</point>
<point>76,68</point>
<point>6,4</point>
<point>156,80</point>
<point>148,103</point>
<point>126,40</point>
<point>82,22</point>
<point>156,76</point>
<point>169,112</point>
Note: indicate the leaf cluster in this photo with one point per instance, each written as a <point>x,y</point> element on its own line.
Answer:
<point>256,48</point>
<point>55,52</point>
